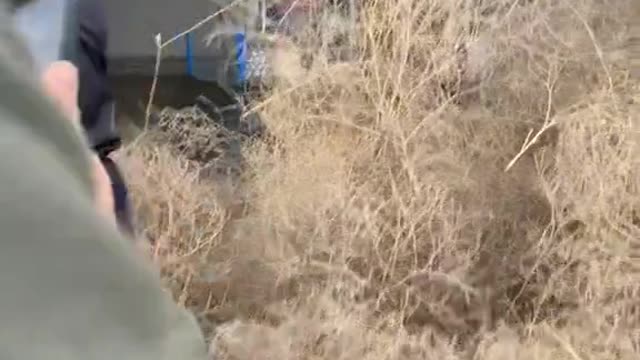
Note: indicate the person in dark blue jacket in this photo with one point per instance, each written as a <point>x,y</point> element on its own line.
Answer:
<point>96,101</point>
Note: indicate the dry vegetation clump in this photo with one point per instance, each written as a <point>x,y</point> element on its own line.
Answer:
<point>466,188</point>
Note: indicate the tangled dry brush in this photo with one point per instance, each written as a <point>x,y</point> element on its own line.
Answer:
<point>467,188</point>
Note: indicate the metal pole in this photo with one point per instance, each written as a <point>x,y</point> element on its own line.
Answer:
<point>263,15</point>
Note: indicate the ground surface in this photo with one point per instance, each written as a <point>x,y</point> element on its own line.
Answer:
<point>466,187</point>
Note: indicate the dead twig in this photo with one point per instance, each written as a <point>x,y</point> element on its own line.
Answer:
<point>566,346</point>
<point>549,123</point>
<point>596,46</point>
<point>201,23</point>
<point>161,45</point>
<point>529,143</point>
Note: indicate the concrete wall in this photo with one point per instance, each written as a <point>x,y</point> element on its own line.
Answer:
<point>134,23</point>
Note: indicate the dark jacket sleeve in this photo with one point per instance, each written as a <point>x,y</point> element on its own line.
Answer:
<point>96,100</point>
<point>72,287</point>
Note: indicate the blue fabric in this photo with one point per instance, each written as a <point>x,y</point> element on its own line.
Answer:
<point>241,58</point>
<point>189,54</point>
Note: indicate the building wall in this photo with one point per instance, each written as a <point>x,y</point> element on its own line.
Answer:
<point>134,23</point>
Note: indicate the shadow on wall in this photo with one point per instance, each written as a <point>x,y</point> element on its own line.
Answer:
<point>131,92</point>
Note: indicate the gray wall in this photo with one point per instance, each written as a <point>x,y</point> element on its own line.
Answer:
<point>134,23</point>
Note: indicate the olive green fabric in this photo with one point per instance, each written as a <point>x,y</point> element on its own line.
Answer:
<point>70,286</point>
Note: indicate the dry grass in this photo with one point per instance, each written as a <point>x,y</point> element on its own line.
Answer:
<point>383,225</point>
